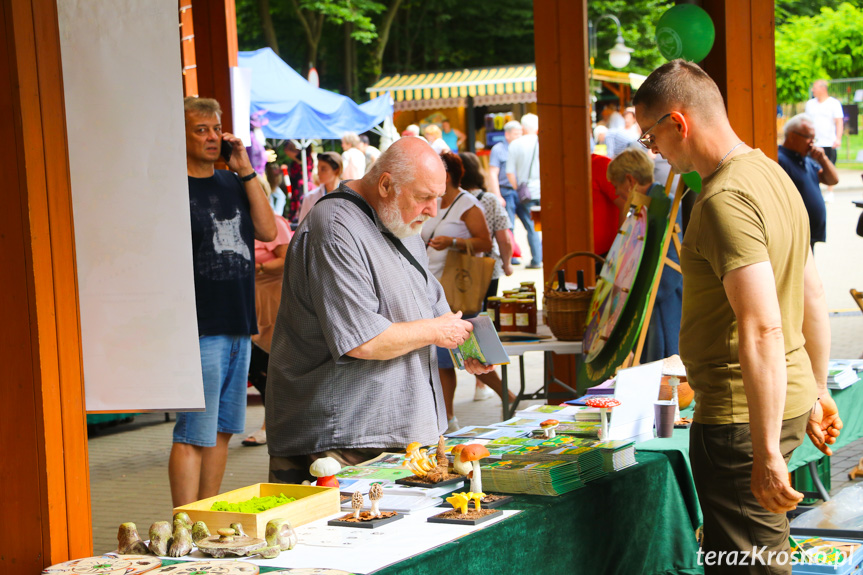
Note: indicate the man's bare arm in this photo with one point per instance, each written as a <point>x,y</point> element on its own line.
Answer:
<point>448,331</point>
<point>494,181</point>
<point>824,424</point>
<point>751,291</point>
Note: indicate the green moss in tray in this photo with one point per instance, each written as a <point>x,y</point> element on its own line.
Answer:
<point>253,505</point>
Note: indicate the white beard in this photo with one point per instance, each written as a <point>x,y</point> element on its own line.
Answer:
<point>391,217</point>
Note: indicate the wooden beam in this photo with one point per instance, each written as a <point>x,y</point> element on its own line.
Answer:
<point>743,64</point>
<point>563,106</point>
<point>215,26</point>
<point>42,417</point>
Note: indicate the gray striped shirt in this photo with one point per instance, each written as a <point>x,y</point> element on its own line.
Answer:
<point>344,284</point>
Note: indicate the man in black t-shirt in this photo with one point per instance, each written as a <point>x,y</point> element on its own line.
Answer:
<point>229,210</point>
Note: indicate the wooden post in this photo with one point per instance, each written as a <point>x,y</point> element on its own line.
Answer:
<point>215,26</point>
<point>563,107</point>
<point>45,485</point>
<point>743,65</point>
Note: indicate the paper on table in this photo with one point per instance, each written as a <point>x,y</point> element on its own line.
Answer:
<point>365,550</point>
<point>636,388</point>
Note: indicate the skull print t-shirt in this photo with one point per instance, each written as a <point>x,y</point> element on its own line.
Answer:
<point>223,255</point>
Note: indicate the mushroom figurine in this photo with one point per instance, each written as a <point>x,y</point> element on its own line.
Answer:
<point>604,404</point>
<point>472,453</point>
<point>548,427</point>
<point>357,503</point>
<point>325,470</point>
<point>375,494</point>
<point>459,466</point>
<point>477,499</point>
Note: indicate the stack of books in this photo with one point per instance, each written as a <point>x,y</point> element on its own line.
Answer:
<point>616,455</point>
<point>531,477</point>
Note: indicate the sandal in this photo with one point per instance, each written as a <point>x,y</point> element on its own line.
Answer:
<point>257,438</point>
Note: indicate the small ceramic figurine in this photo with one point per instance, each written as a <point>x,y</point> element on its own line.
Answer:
<point>160,538</point>
<point>181,542</point>
<point>357,503</point>
<point>325,470</point>
<point>459,466</point>
<point>473,453</point>
<point>128,540</point>
<point>199,531</point>
<point>548,427</point>
<point>604,404</point>
<point>375,494</point>
<point>459,501</point>
<point>279,532</point>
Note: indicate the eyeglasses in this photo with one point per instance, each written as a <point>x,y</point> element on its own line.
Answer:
<point>647,139</point>
<point>804,136</point>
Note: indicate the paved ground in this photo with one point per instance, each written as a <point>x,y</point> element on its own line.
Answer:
<point>129,462</point>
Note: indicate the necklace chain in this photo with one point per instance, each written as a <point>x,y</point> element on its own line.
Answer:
<point>737,145</point>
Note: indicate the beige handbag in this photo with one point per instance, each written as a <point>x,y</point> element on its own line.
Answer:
<point>465,280</point>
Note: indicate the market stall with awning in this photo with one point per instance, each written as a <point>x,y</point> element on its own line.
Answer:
<point>472,87</point>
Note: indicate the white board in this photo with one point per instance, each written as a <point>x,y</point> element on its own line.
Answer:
<point>130,199</point>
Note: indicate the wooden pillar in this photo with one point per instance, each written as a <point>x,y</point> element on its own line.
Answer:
<point>743,64</point>
<point>215,38</point>
<point>187,49</point>
<point>563,107</point>
<point>45,501</point>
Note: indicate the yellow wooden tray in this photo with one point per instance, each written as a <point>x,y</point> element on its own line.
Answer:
<point>311,503</point>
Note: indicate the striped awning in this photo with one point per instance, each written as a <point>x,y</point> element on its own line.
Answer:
<point>458,83</point>
<point>506,84</point>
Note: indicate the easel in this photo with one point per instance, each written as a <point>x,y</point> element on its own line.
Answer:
<point>673,234</point>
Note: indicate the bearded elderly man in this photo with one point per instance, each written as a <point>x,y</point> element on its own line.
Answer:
<point>353,371</point>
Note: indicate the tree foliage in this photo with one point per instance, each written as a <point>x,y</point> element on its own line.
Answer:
<point>825,45</point>
<point>638,23</point>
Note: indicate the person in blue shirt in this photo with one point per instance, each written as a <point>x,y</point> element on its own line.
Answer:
<point>453,138</point>
<point>498,182</point>
<point>808,166</point>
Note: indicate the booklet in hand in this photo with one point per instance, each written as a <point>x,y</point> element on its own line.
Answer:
<point>483,344</point>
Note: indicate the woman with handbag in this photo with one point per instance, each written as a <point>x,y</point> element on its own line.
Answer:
<point>459,225</point>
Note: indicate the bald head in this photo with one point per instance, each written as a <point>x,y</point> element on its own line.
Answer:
<point>407,160</point>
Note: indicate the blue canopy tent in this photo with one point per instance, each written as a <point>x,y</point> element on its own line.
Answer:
<point>297,110</point>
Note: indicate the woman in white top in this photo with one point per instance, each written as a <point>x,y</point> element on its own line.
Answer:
<point>353,160</point>
<point>329,171</point>
<point>459,221</point>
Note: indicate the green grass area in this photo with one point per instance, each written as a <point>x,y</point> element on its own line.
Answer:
<point>846,156</point>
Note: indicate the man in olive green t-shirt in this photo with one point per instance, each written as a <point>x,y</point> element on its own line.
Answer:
<point>754,334</point>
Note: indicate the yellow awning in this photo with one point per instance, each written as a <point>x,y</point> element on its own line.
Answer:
<point>476,82</point>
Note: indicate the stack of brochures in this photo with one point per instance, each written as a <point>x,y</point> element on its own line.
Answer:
<point>531,477</point>
<point>842,373</point>
<point>616,455</point>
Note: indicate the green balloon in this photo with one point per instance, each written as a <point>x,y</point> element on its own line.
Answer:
<point>685,31</point>
<point>693,180</point>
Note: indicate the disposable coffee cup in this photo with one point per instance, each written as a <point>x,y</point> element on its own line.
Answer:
<point>664,418</point>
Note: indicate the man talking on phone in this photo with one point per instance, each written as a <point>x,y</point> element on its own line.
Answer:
<point>808,165</point>
<point>229,210</point>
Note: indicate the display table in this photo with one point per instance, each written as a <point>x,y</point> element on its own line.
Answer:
<point>548,346</point>
<point>633,521</point>
<point>676,448</point>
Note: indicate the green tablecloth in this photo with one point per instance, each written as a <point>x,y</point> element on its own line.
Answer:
<point>633,521</point>
<point>676,448</point>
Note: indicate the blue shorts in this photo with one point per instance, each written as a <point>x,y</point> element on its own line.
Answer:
<point>225,367</point>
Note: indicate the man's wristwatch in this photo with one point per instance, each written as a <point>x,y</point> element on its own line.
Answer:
<point>454,244</point>
<point>251,176</point>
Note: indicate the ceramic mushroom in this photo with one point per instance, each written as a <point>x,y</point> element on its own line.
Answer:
<point>280,533</point>
<point>604,404</point>
<point>357,503</point>
<point>548,427</point>
<point>325,470</point>
<point>375,494</point>
<point>459,466</point>
<point>473,453</point>
<point>160,538</point>
<point>128,540</point>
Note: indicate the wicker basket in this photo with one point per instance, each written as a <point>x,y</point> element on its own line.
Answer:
<point>566,312</point>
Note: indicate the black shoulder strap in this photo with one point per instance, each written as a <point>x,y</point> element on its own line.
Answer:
<point>367,210</point>
<point>480,195</point>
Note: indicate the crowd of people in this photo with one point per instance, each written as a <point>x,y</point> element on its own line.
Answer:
<point>359,361</point>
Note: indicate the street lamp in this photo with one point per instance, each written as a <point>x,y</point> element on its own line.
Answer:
<point>619,55</point>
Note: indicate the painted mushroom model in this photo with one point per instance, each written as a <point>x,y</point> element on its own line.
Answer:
<point>325,470</point>
<point>473,453</point>
<point>357,503</point>
<point>376,492</point>
<point>604,404</point>
<point>459,466</point>
<point>548,427</point>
